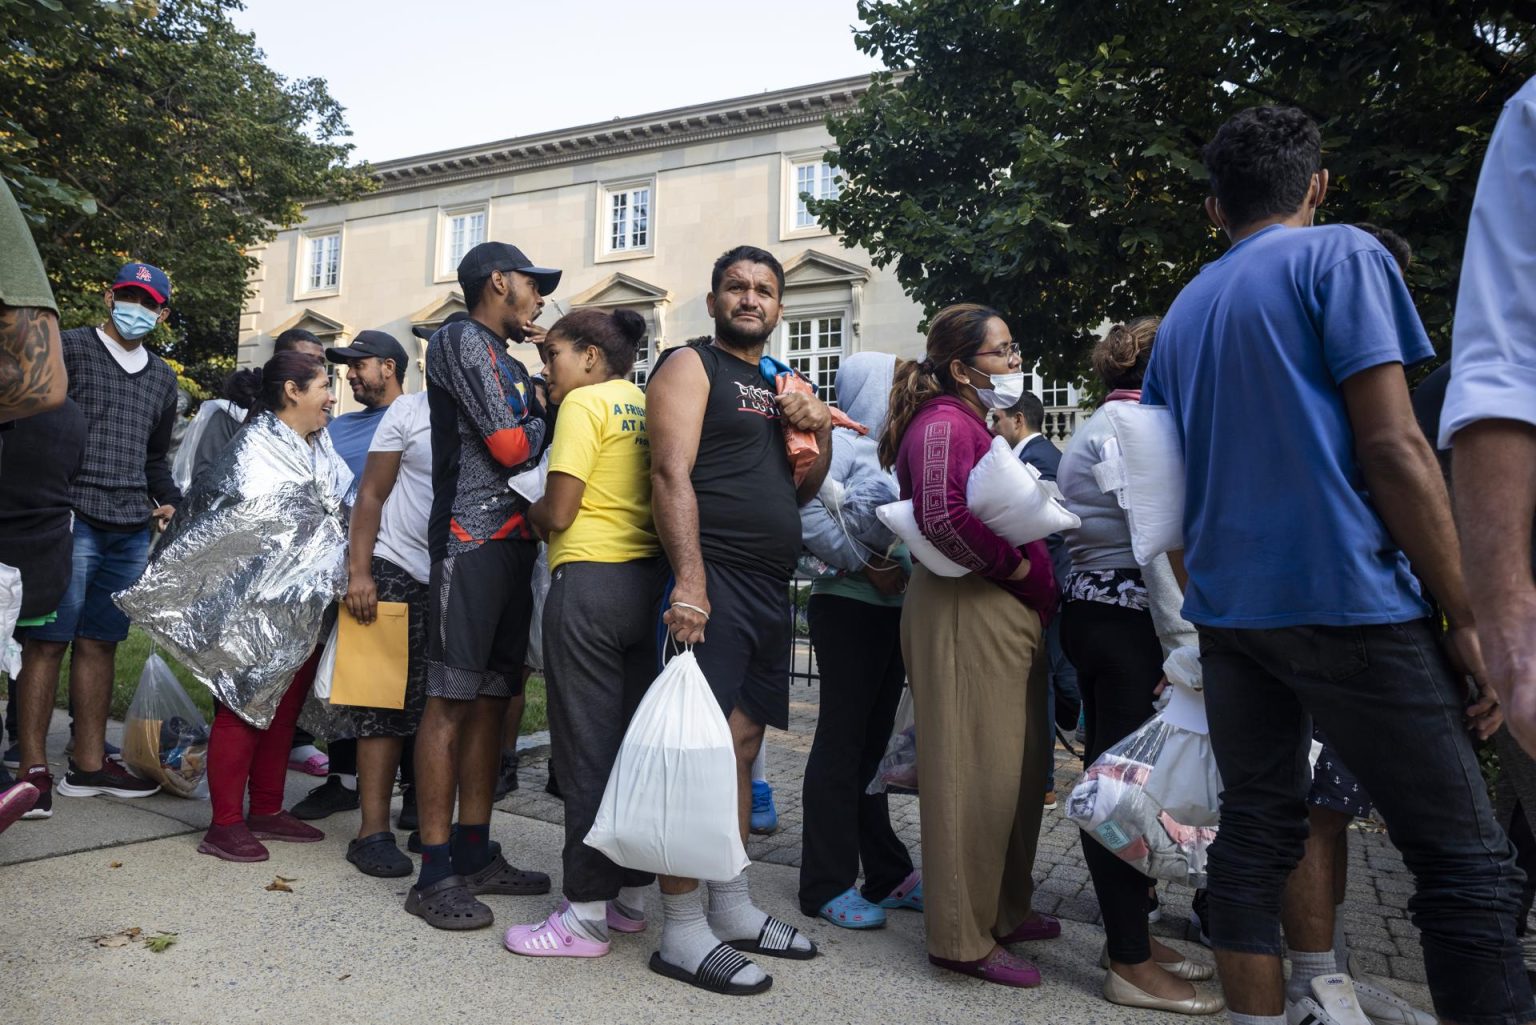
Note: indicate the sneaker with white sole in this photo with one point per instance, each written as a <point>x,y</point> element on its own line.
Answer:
<point>42,779</point>
<point>112,778</point>
<point>1333,1002</point>
<point>1383,1006</point>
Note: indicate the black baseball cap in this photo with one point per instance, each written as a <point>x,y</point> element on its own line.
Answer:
<point>370,343</point>
<point>426,331</point>
<point>488,257</point>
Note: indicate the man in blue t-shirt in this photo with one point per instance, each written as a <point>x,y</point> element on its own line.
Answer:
<point>1309,490</point>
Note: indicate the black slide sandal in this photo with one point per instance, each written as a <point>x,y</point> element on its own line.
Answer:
<point>775,940</point>
<point>715,973</point>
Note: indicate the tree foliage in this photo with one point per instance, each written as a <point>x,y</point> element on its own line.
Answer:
<point>1043,155</point>
<point>154,131</point>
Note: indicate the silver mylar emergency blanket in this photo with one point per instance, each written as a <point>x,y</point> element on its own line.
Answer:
<point>254,558</point>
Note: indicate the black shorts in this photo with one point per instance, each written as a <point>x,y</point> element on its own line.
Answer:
<point>745,653</point>
<point>482,603</point>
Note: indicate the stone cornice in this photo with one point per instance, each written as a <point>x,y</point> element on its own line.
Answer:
<point>762,112</point>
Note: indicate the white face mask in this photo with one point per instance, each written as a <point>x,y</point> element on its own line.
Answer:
<point>1006,390</point>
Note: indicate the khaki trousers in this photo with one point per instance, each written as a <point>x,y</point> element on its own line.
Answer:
<point>974,656</point>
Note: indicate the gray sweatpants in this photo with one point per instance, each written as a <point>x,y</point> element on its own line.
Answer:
<point>600,633</point>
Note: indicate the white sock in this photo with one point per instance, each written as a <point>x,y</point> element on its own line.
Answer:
<point>733,916</point>
<point>1255,1019</point>
<point>1306,966</point>
<point>588,919</point>
<point>686,939</point>
<point>304,752</point>
<point>1340,942</point>
<point>348,781</point>
<point>760,763</point>
<point>631,902</point>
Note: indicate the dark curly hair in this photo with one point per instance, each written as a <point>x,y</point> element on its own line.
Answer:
<point>1261,162</point>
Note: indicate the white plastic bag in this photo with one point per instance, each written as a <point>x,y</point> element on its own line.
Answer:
<point>327,667</point>
<point>530,483</point>
<point>1154,798</point>
<point>10,612</point>
<point>1008,495</point>
<point>898,769</point>
<point>1144,467</point>
<point>670,804</point>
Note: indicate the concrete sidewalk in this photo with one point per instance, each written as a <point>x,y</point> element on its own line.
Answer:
<point>339,949</point>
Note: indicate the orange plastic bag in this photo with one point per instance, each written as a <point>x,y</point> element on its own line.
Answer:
<point>801,446</point>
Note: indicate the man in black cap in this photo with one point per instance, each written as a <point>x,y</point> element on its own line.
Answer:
<point>487,424</point>
<point>375,365</point>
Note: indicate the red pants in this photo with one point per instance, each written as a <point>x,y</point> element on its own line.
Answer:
<point>239,753</point>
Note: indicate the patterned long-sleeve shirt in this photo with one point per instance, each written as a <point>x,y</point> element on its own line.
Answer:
<point>487,425</point>
<point>942,445</point>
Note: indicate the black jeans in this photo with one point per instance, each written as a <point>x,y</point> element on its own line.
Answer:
<point>1119,661</point>
<point>600,658</point>
<point>858,650</point>
<point>1390,705</point>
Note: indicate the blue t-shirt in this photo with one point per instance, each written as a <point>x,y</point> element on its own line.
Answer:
<point>352,433</point>
<point>1278,527</point>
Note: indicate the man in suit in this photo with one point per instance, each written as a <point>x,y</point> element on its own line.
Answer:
<point>1021,426</point>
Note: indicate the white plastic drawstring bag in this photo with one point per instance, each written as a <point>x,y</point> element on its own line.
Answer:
<point>670,803</point>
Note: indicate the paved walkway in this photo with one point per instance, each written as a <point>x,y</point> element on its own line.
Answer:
<point>338,950</point>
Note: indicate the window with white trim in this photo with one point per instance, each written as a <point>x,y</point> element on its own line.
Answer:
<point>1052,393</point>
<point>627,211</point>
<point>322,262</point>
<point>816,179</point>
<point>814,346</point>
<point>462,231</point>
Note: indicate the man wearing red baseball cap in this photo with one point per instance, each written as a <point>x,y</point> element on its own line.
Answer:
<point>123,489</point>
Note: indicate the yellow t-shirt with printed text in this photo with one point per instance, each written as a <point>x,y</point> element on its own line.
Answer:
<point>600,440</point>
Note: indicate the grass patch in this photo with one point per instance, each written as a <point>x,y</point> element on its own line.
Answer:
<point>134,652</point>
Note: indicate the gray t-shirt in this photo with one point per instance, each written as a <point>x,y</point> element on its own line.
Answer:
<point>23,281</point>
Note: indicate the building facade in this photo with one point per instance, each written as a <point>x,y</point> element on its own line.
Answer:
<point>634,212</point>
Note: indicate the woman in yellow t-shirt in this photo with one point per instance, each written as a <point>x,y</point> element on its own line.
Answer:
<point>599,617</point>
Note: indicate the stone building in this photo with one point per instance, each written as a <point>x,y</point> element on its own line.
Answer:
<point>633,210</point>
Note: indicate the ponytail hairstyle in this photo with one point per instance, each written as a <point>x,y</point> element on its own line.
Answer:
<point>957,332</point>
<point>299,367</point>
<point>241,387</point>
<point>1120,358</point>
<point>617,335</point>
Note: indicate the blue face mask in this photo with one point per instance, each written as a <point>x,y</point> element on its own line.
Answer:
<point>133,321</point>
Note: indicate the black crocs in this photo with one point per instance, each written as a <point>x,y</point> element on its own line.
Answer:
<point>499,877</point>
<point>448,904</point>
<point>378,855</point>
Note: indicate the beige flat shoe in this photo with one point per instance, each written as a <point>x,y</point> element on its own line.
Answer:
<point>1189,971</point>
<point>1119,991</point>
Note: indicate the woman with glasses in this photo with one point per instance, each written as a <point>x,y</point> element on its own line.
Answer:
<point>972,647</point>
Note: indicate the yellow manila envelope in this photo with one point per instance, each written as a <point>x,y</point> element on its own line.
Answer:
<point>371,661</point>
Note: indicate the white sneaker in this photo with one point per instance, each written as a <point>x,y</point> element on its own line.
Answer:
<point>1332,1002</point>
<point>1383,1006</point>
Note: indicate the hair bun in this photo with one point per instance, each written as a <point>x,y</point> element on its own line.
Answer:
<point>631,325</point>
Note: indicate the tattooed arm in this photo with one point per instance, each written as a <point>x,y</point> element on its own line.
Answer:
<point>32,376</point>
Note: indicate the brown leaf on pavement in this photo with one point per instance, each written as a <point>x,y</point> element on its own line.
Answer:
<point>279,885</point>
<point>344,978</point>
<point>114,864</point>
<point>121,938</point>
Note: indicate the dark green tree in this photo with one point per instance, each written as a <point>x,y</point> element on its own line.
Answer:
<point>1043,155</point>
<point>154,131</point>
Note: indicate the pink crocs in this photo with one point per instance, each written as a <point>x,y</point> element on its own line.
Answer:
<point>618,921</point>
<point>550,938</point>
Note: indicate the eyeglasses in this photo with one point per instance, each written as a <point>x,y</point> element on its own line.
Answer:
<point>1008,351</point>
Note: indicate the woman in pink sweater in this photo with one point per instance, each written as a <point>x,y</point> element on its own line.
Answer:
<point>973,650</point>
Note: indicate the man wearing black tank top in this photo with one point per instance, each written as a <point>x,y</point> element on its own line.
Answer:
<point>727,510</point>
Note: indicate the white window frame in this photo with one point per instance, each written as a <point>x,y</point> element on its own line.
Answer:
<point>446,267</point>
<point>606,193</point>
<point>307,240</point>
<point>790,204</point>
<point>816,314</point>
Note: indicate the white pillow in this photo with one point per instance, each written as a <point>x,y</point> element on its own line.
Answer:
<point>1144,467</point>
<point>1008,495</point>
<point>900,519</point>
